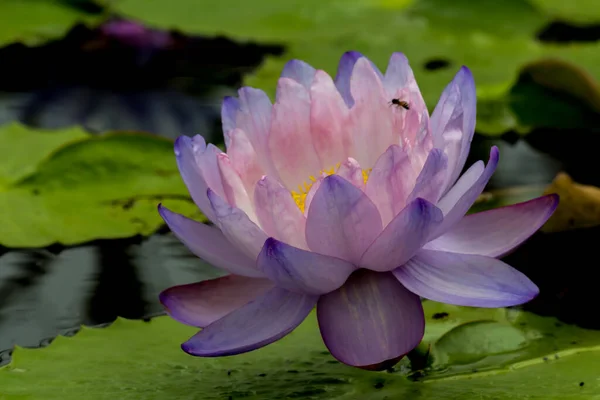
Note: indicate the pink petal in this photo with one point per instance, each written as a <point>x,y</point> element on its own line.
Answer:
<point>233,187</point>
<point>278,213</point>
<point>263,321</point>
<point>371,321</point>
<point>229,110</point>
<point>458,204</point>
<point>244,234</point>
<point>390,182</point>
<point>342,222</point>
<point>429,182</point>
<point>302,271</point>
<point>202,303</point>
<point>466,280</point>
<point>351,171</point>
<point>399,82</point>
<point>370,117</point>
<point>244,160</point>
<point>453,122</point>
<point>254,118</point>
<point>328,119</point>
<point>496,232</point>
<point>399,75</point>
<point>299,71</point>
<point>290,142</point>
<point>403,237</point>
<point>209,243</point>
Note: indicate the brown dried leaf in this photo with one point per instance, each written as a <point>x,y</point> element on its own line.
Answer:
<point>579,205</point>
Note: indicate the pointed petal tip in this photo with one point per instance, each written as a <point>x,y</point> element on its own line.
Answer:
<point>554,200</point>
<point>271,244</point>
<point>163,299</point>
<point>187,347</point>
<point>352,54</point>
<point>180,142</point>
<point>427,206</point>
<point>494,154</point>
<point>466,70</point>
<point>164,212</point>
<point>398,55</point>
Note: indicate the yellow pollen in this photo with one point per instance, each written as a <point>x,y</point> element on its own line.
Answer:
<point>299,196</point>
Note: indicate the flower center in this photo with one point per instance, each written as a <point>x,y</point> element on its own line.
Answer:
<point>299,196</point>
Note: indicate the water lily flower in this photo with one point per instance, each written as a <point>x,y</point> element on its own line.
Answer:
<point>339,198</point>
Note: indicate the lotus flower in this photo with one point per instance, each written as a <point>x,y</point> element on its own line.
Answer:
<point>336,197</point>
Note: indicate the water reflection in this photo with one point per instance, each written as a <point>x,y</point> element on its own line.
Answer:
<point>47,292</point>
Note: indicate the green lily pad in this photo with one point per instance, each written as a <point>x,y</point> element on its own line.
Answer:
<point>134,359</point>
<point>35,21</point>
<point>96,187</point>
<point>429,32</point>
<point>575,11</point>
<point>475,340</point>
<point>37,144</point>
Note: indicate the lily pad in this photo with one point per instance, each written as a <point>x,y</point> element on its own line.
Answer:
<point>475,340</point>
<point>104,186</point>
<point>35,21</point>
<point>437,36</point>
<point>36,144</point>
<point>134,359</point>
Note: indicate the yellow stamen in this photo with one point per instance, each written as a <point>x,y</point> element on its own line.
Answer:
<point>303,189</point>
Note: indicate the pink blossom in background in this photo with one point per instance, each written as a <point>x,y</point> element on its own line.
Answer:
<point>333,197</point>
<point>136,34</point>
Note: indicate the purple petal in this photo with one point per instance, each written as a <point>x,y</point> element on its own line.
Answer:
<point>454,212</point>
<point>278,213</point>
<point>371,321</point>
<point>342,222</point>
<point>398,74</point>
<point>399,78</point>
<point>229,110</point>
<point>430,180</point>
<point>403,237</point>
<point>244,234</point>
<point>299,71</point>
<point>191,174</point>
<point>202,303</point>
<point>494,233</point>
<point>390,182</point>
<point>453,122</point>
<point>263,321</point>
<point>209,243</point>
<point>466,181</point>
<point>465,280</point>
<point>344,72</point>
<point>300,270</point>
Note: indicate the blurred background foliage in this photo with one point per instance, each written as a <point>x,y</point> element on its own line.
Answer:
<point>93,92</point>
